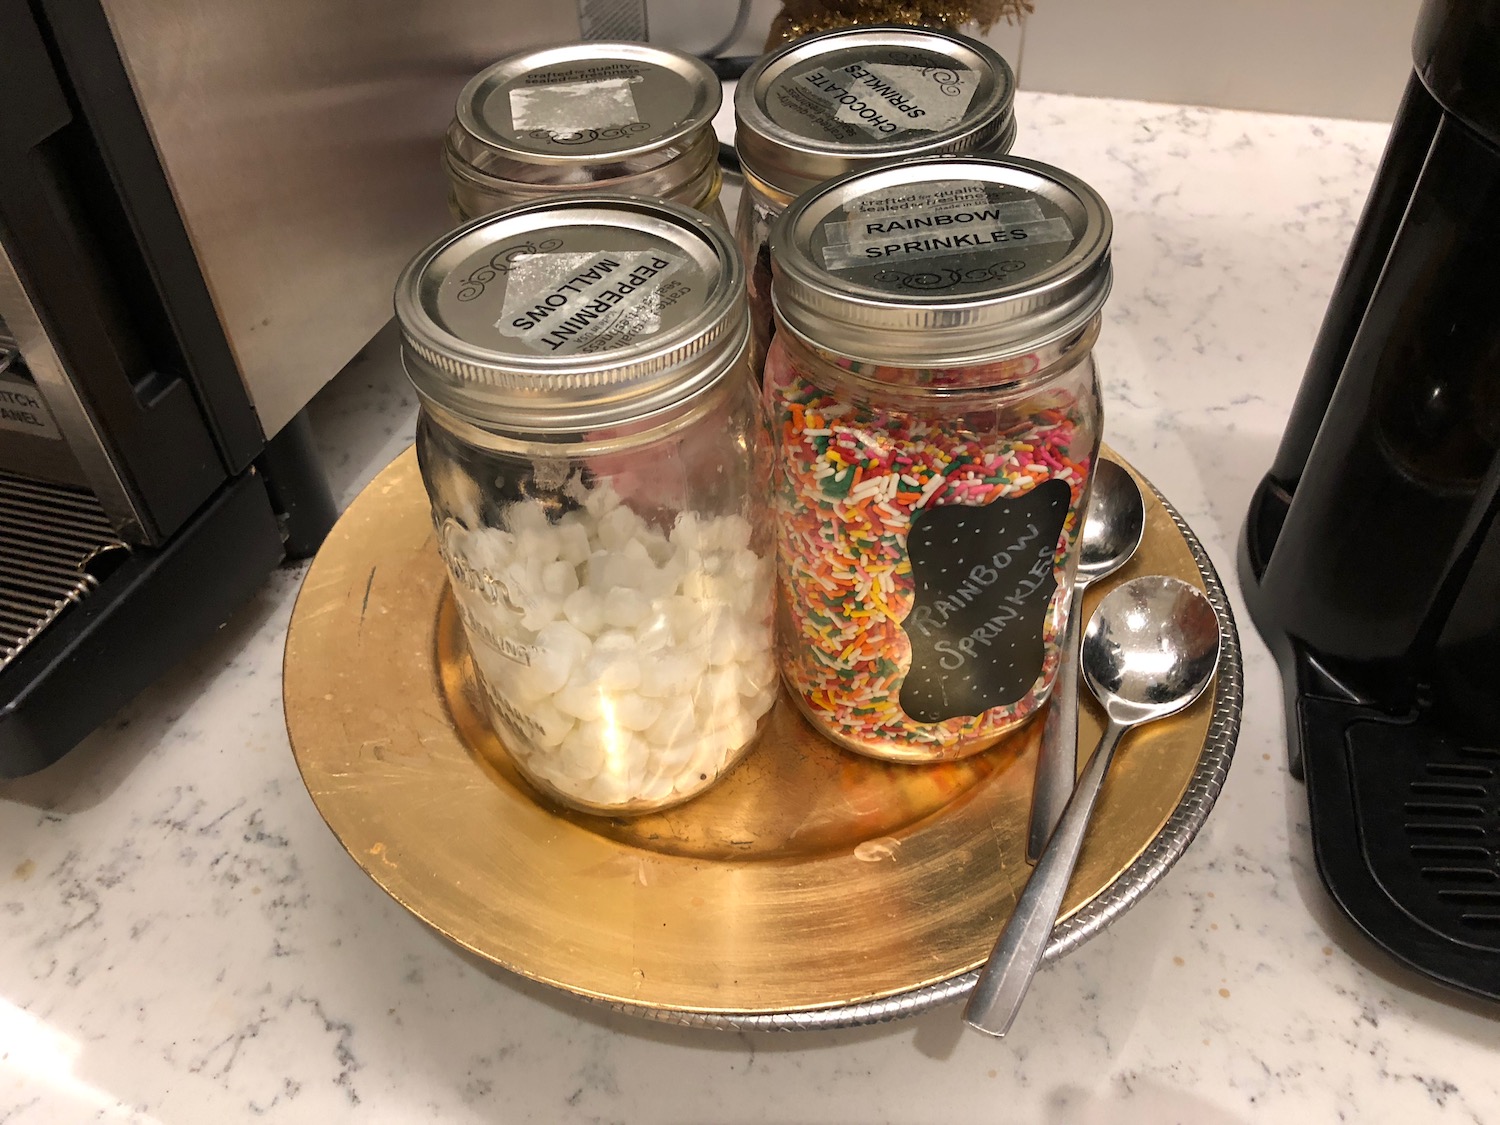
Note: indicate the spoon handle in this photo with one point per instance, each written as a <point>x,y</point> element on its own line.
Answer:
<point>1057,757</point>
<point>1006,976</point>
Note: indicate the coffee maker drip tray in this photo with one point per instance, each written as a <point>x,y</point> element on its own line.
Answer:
<point>1446,797</point>
<point>1406,821</point>
<point>55,545</point>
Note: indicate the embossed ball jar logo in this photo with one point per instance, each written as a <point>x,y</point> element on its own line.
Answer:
<point>495,590</point>
<point>930,280</point>
<point>948,80</point>
<point>588,136</point>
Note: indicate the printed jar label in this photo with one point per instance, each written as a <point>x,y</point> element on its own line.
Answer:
<point>963,235</point>
<point>22,409</point>
<point>590,108</point>
<point>863,101</point>
<point>984,579</point>
<point>580,303</point>
<point>936,225</point>
<point>936,231</point>
<point>576,112</point>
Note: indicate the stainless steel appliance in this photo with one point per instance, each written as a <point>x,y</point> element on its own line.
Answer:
<point>202,208</point>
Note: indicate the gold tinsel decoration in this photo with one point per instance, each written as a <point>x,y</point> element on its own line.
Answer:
<point>803,17</point>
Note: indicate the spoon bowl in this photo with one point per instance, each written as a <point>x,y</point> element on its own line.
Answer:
<point>1113,523</point>
<point>1153,652</point>
<point>1150,650</point>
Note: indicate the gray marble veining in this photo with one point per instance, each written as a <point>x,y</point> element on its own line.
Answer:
<point>182,940</point>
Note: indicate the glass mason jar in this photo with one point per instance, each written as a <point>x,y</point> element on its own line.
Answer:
<point>933,398</point>
<point>622,118</point>
<point>594,451</point>
<point>836,102</point>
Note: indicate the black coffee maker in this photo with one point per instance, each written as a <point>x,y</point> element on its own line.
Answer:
<point>1371,555</point>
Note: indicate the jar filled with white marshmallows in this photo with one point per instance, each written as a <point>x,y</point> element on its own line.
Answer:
<point>593,450</point>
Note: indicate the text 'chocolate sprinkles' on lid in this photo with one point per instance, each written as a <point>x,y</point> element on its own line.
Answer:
<point>831,103</point>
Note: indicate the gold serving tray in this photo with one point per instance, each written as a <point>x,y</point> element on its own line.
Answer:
<point>811,887</point>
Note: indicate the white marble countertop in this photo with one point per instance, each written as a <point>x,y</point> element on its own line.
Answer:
<point>183,940</point>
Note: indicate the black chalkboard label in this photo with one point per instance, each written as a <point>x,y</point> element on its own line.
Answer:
<point>983,581</point>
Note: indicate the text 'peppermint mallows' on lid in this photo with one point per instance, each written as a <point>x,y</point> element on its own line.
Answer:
<point>835,102</point>
<point>581,312</point>
<point>953,260</point>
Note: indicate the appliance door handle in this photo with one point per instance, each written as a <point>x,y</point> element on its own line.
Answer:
<point>96,290</point>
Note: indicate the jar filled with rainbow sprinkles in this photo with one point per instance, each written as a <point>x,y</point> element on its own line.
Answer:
<point>935,406</point>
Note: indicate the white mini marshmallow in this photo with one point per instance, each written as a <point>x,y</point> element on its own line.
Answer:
<point>674,758</point>
<point>674,724</point>
<point>687,531</point>
<point>618,527</point>
<point>527,516</point>
<point>654,633</point>
<point>717,697</point>
<point>541,613</point>
<point>626,608</point>
<point>756,674</point>
<point>636,712</point>
<point>584,610</point>
<point>608,673</point>
<point>585,749</point>
<point>725,644</point>
<point>670,673</point>
<point>559,578</point>
<point>582,700</point>
<point>552,725</point>
<point>573,540</point>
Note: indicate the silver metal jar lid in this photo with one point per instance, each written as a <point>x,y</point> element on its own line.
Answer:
<point>839,101</point>
<point>550,116</point>
<point>562,317</point>
<point>942,261</point>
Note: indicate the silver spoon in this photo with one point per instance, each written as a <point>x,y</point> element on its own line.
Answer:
<point>1151,648</point>
<point>1113,524</point>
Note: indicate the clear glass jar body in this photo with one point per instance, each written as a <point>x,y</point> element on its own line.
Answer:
<point>616,591</point>
<point>469,198</point>
<point>760,206</point>
<point>688,175</point>
<point>861,454</point>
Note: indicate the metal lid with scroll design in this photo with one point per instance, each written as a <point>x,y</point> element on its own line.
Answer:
<point>562,317</point>
<point>623,116</point>
<point>943,262</point>
<point>837,102</point>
